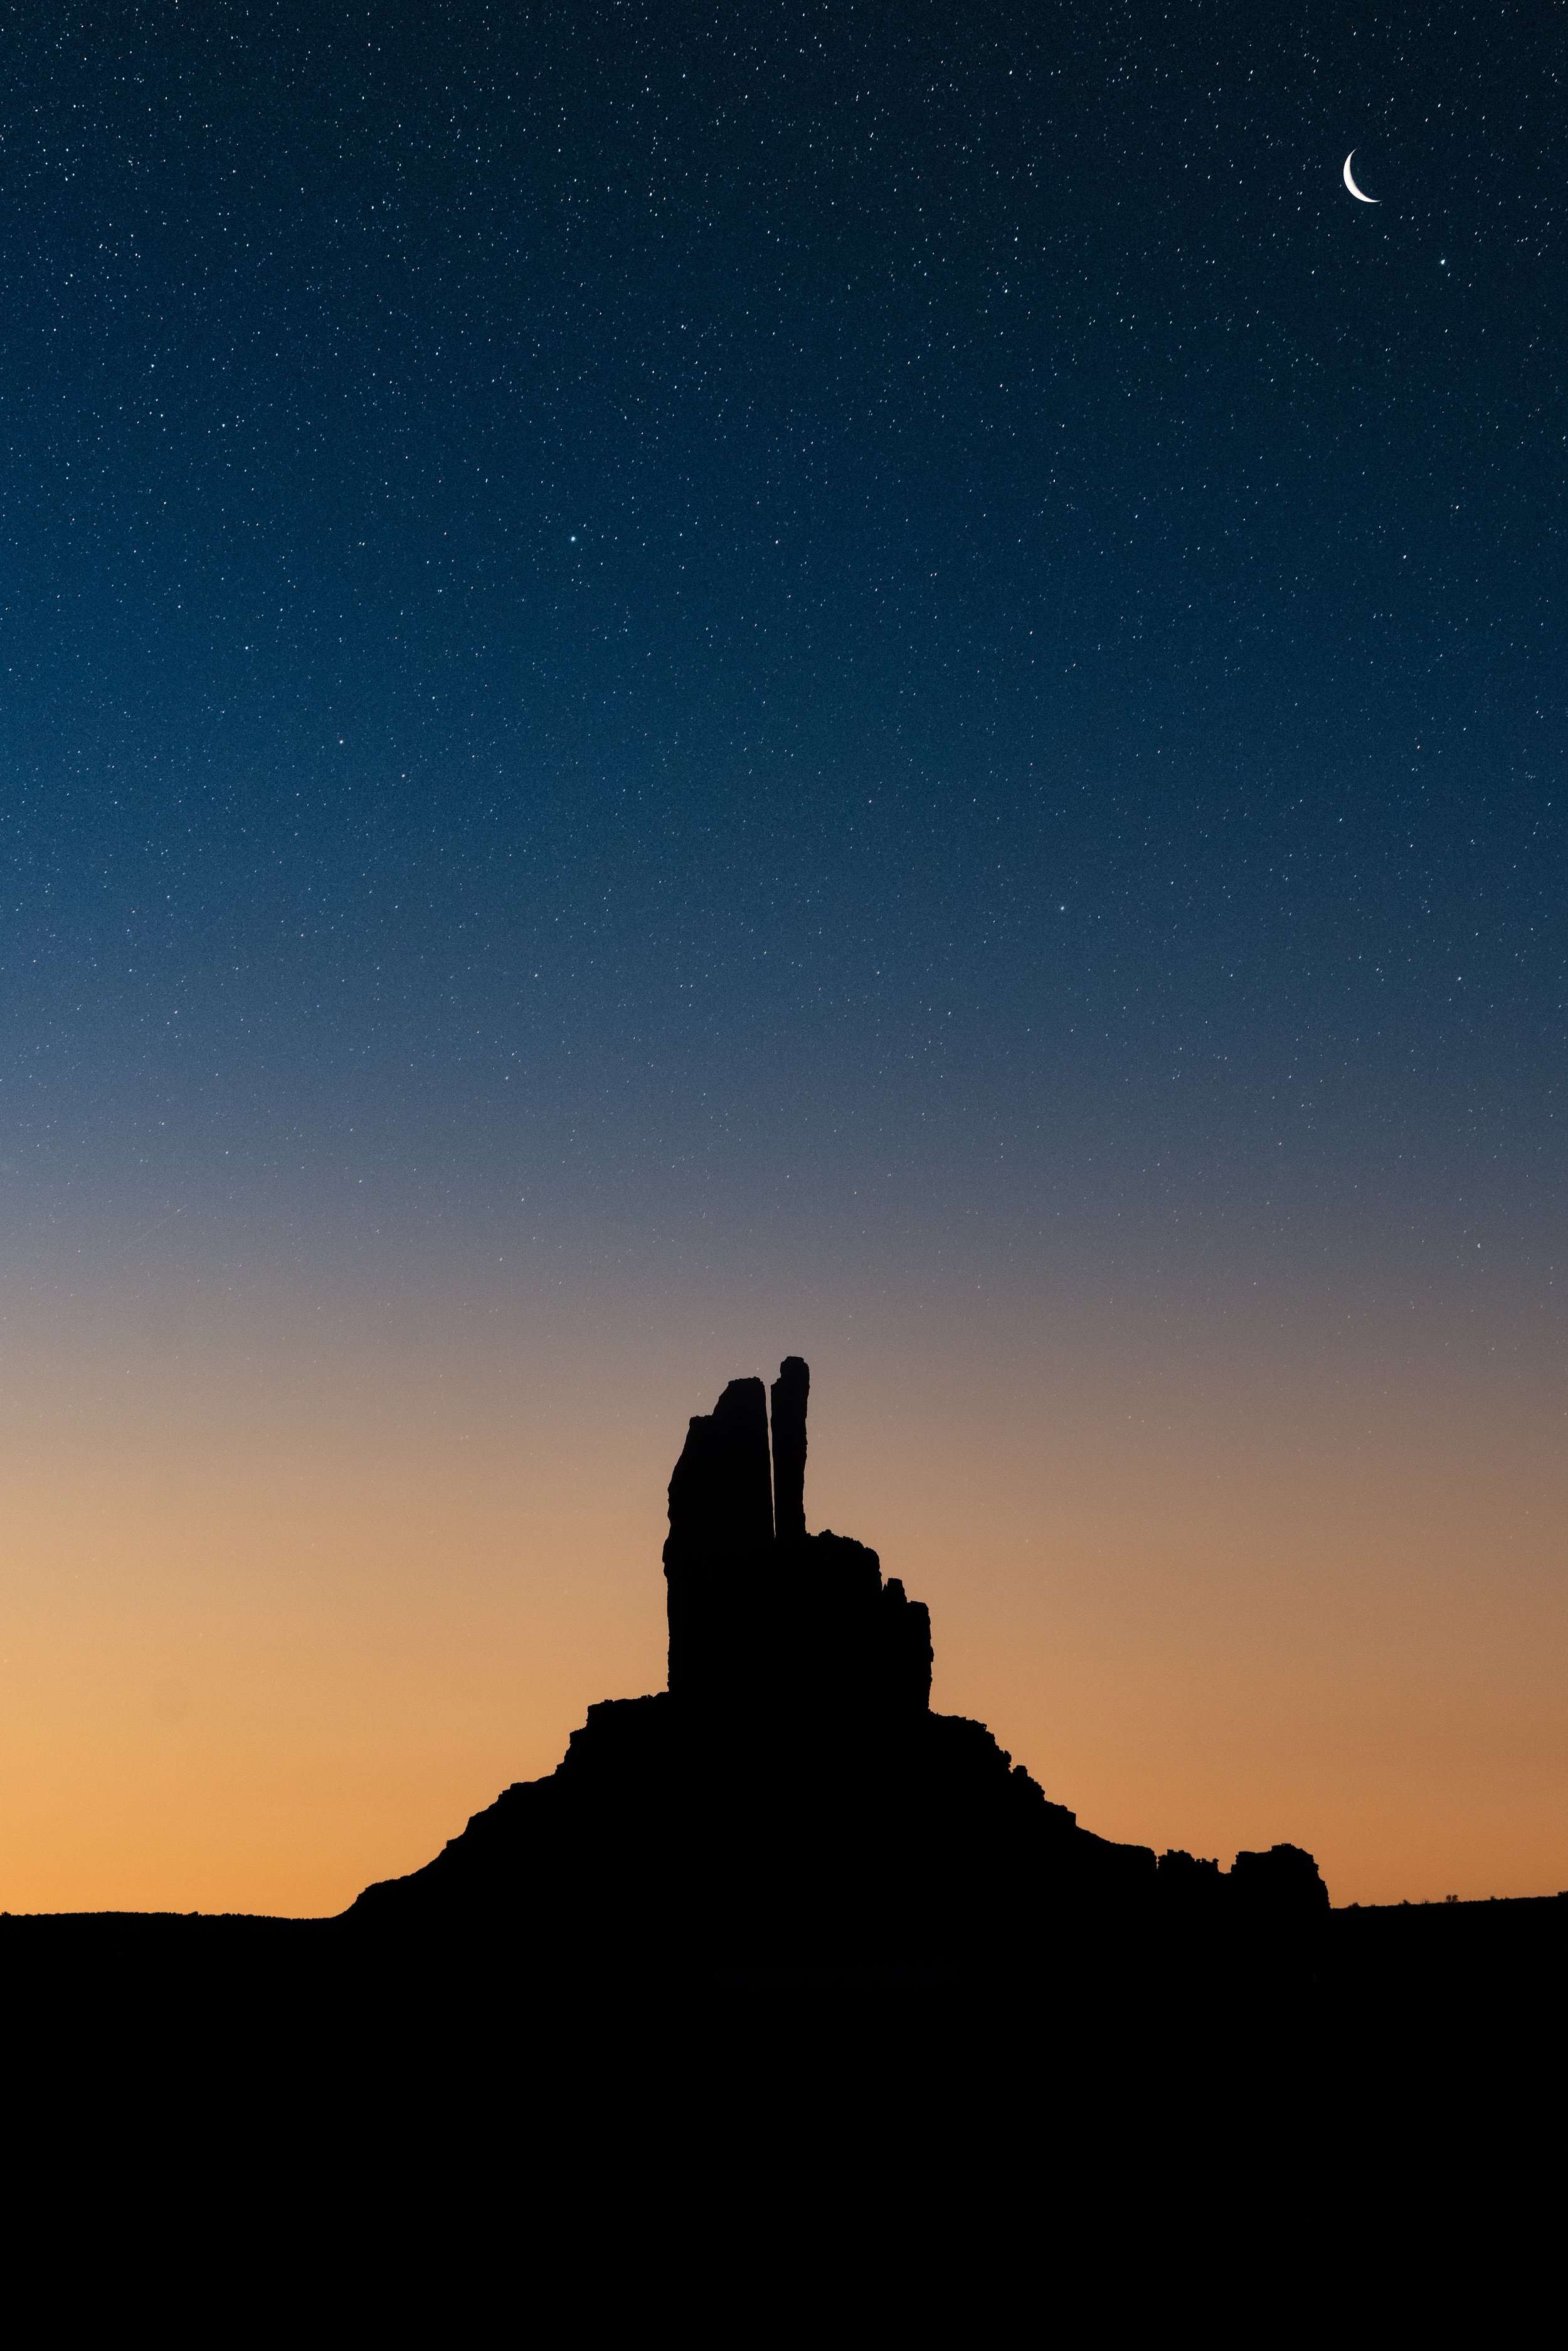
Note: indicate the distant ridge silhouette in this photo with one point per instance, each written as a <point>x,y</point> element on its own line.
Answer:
<point>791,1804</point>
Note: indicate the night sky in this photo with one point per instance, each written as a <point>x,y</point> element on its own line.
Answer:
<point>685,685</point>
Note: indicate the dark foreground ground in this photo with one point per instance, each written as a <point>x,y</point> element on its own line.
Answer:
<point>1368,2120</point>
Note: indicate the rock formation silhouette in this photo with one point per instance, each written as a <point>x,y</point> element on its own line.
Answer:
<point>792,1802</point>
<point>781,1976</point>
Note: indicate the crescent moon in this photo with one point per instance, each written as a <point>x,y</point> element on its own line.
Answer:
<point>1350,184</point>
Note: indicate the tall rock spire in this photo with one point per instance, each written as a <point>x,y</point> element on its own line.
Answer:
<point>791,1390</point>
<point>720,1545</point>
<point>765,1619</point>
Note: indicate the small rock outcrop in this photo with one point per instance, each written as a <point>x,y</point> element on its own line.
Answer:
<point>1279,1887</point>
<point>791,1802</point>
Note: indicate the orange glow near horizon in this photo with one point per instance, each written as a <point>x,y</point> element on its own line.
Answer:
<point>283,1609</point>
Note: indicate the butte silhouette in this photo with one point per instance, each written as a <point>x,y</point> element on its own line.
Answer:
<point>779,1969</point>
<point>790,1803</point>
